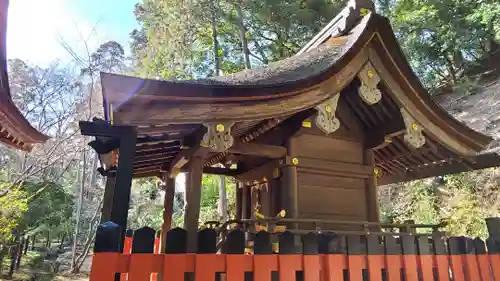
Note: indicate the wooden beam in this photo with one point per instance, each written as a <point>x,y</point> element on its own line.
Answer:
<point>147,174</point>
<point>195,150</point>
<point>479,162</point>
<point>221,171</point>
<point>101,128</point>
<point>155,163</point>
<point>376,138</point>
<point>192,207</point>
<point>351,169</point>
<point>265,170</point>
<point>153,158</point>
<point>258,149</point>
<point>166,150</point>
<point>160,146</point>
<point>279,134</point>
<point>168,129</point>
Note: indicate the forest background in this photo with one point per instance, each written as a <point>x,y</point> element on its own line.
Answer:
<point>55,194</point>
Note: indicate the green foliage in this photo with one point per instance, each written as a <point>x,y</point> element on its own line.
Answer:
<point>12,207</point>
<point>50,207</point>
<point>209,198</point>
<point>461,200</point>
<point>146,207</point>
<point>442,38</point>
<point>175,39</point>
<point>33,208</point>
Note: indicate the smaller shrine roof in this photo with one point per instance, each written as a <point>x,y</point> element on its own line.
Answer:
<point>15,130</point>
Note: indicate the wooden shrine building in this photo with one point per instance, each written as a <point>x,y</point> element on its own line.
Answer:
<point>316,132</point>
<point>15,130</point>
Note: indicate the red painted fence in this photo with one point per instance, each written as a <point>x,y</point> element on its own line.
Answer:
<point>316,257</point>
<point>330,267</point>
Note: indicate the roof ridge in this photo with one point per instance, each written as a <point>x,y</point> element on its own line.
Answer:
<point>342,23</point>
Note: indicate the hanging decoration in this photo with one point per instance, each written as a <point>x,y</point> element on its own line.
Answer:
<point>414,136</point>
<point>368,90</point>
<point>325,119</point>
<point>218,136</point>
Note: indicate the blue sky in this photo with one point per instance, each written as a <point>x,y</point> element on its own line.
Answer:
<point>37,27</point>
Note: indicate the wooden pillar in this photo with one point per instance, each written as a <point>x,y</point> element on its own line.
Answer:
<point>289,185</point>
<point>117,192</point>
<point>192,205</point>
<point>245,204</point>
<point>265,200</point>
<point>372,204</point>
<point>107,203</point>
<point>254,200</point>
<point>239,200</point>
<point>275,189</point>
<point>168,206</point>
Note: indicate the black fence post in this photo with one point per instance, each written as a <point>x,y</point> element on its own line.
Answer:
<point>493,241</point>
<point>235,242</point>
<point>287,243</point>
<point>310,244</point>
<point>262,243</point>
<point>176,242</point>
<point>143,241</point>
<point>207,241</point>
<point>108,238</point>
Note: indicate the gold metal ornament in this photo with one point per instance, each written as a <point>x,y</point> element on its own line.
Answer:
<point>306,123</point>
<point>219,128</point>
<point>377,172</point>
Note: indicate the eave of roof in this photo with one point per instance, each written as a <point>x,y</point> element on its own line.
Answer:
<point>15,130</point>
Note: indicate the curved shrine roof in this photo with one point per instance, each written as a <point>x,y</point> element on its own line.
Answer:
<point>166,112</point>
<point>15,130</point>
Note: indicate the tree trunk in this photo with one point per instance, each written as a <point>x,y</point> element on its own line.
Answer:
<point>89,240</point>
<point>48,241</point>
<point>19,254</point>
<point>222,208</point>
<point>243,37</point>
<point>13,258</point>
<point>33,240</point>
<point>3,251</point>
<point>215,50</point>
<point>61,244</point>
<point>81,175</point>
<point>26,245</point>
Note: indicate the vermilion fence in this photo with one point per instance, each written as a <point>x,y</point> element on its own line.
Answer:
<point>309,257</point>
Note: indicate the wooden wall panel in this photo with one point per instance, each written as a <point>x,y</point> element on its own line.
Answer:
<point>332,200</point>
<point>329,181</point>
<point>333,179</point>
<point>323,147</point>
